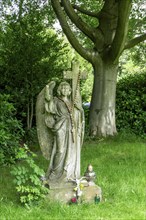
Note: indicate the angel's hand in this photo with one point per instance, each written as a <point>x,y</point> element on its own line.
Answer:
<point>49,90</point>
<point>51,85</point>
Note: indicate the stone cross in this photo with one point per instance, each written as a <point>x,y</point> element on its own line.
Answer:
<point>75,75</point>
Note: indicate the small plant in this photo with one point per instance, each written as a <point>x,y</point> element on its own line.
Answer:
<point>28,178</point>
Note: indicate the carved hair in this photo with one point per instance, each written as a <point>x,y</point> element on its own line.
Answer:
<point>60,87</point>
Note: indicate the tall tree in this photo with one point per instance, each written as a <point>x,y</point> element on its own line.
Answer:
<point>107,29</point>
<point>28,51</point>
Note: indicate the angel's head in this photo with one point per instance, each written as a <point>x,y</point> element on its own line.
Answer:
<point>64,89</point>
<point>89,168</point>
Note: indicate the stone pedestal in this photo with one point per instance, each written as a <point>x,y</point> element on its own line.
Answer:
<point>65,195</point>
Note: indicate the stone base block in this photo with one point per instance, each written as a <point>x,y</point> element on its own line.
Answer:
<point>64,195</point>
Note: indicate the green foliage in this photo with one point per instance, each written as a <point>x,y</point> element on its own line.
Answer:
<point>30,54</point>
<point>86,88</point>
<point>30,137</point>
<point>137,22</point>
<point>28,178</point>
<point>131,104</point>
<point>119,165</point>
<point>10,131</point>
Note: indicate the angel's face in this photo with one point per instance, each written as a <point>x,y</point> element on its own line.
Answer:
<point>65,90</point>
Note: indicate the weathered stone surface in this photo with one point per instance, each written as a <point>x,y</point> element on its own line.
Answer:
<point>65,195</point>
<point>60,127</point>
<point>45,137</point>
<point>90,192</point>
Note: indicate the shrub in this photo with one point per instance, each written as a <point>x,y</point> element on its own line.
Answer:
<point>28,181</point>
<point>10,131</point>
<point>131,104</point>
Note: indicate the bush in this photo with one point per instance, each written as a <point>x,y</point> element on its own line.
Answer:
<point>28,181</point>
<point>10,131</point>
<point>131,104</point>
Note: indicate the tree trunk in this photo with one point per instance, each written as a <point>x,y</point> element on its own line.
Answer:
<point>30,113</point>
<point>102,109</point>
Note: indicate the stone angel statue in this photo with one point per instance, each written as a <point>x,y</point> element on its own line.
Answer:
<point>60,128</point>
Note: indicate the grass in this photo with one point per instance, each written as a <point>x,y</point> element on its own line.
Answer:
<point>119,164</point>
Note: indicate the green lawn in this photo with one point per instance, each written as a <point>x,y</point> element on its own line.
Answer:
<point>119,165</point>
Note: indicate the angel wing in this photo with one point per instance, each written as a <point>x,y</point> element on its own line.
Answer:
<point>45,136</point>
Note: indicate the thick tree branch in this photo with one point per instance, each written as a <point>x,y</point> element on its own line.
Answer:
<point>88,31</point>
<point>93,33</point>
<point>87,54</point>
<point>135,41</point>
<point>86,12</point>
<point>118,44</point>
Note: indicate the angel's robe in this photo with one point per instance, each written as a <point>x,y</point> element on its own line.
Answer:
<point>68,130</point>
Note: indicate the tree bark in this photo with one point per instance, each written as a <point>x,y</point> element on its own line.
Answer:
<point>102,109</point>
<point>30,114</point>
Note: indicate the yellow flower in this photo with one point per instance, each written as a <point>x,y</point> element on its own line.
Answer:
<point>81,186</point>
<point>75,189</point>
